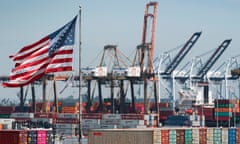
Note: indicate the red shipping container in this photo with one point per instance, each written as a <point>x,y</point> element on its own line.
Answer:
<point>132,116</point>
<point>13,137</point>
<point>67,121</point>
<point>222,118</point>
<point>163,117</point>
<point>163,105</point>
<point>164,136</point>
<point>6,109</point>
<point>237,135</point>
<point>180,136</point>
<point>166,113</point>
<point>237,114</point>
<point>203,136</point>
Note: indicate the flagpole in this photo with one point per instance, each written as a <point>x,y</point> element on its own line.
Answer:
<point>80,78</point>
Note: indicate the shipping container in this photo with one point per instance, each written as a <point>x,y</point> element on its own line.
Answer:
<point>195,136</point>
<point>188,139</point>
<point>172,136</point>
<point>180,136</point>
<point>210,135</point>
<point>217,136</point>
<point>41,137</point>
<point>235,132</point>
<point>232,136</point>
<point>203,135</point>
<point>13,137</point>
<point>165,136</point>
<point>6,109</point>
<point>122,136</point>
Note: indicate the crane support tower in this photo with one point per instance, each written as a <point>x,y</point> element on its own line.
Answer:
<point>145,52</point>
<point>148,47</point>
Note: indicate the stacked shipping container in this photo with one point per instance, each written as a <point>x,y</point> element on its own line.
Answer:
<point>223,109</point>
<point>26,137</point>
<point>166,136</point>
<point>165,109</point>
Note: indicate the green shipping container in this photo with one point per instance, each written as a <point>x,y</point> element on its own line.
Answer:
<point>4,115</point>
<point>188,136</point>
<point>172,137</point>
<point>225,114</point>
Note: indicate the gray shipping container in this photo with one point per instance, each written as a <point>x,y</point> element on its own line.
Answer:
<point>123,136</point>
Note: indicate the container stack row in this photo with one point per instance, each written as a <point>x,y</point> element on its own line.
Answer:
<point>166,136</point>
<point>26,137</point>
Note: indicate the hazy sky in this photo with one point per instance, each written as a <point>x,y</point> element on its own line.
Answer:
<point>118,22</point>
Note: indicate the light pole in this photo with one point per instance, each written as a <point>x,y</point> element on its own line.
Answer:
<point>80,79</point>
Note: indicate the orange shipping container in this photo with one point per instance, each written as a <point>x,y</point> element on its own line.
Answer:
<point>223,110</point>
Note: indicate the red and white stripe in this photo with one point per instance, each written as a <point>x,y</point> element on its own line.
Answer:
<point>33,61</point>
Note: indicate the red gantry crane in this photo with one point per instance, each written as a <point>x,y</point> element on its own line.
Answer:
<point>145,51</point>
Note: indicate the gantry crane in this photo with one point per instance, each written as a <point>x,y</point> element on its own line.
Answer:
<point>167,73</point>
<point>145,52</point>
<point>224,73</point>
<point>211,61</point>
<point>110,73</point>
<point>200,78</point>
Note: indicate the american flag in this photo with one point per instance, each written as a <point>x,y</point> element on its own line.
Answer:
<point>50,54</point>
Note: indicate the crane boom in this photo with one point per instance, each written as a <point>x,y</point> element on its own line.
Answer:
<point>211,61</point>
<point>182,53</point>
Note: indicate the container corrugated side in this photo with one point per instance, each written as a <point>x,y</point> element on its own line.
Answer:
<point>203,135</point>
<point>195,136</point>
<point>233,135</point>
<point>172,136</point>
<point>188,136</point>
<point>120,136</point>
<point>165,136</point>
<point>210,134</point>
<point>224,135</point>
<point>217,136</point>
<point>13,137</point>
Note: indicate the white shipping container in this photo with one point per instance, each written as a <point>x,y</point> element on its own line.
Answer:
<point>110,122</point>
<point>119,71</point>
<point>141,126</point>
<point>6,126</point>
<point>91,126</point>
<point>66,131</point>
<point>104,126</point>
<point>133,72</point>
<point>66,126</point>
<point>195,123</point>
<point>90,121</point>
<point>71,140</point>
<point>126,126</point>
<point>129,122</point>
<point>157,137</point>
<point>6,121</point>
<point>111,116</point>
<point>49,120</point>
<point>22,115</point>
<point>141,122</point>
<point>87,71</point>
<point>100,72</point>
